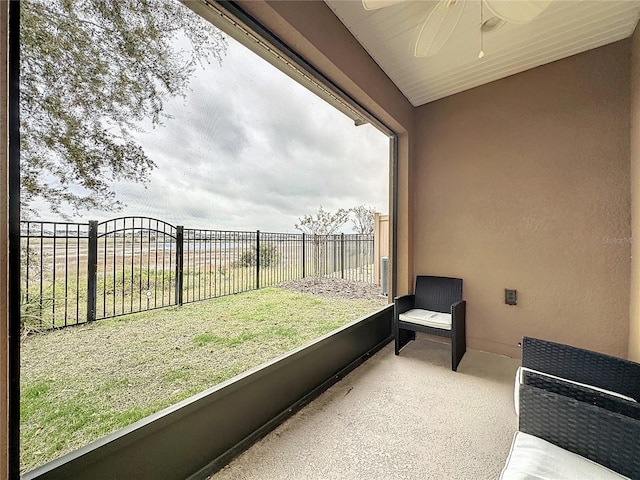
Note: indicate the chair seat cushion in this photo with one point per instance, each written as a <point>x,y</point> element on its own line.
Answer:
<point>427,318</point>
<point>536,459</point>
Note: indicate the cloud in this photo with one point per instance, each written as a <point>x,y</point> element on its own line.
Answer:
<point>250,149</point>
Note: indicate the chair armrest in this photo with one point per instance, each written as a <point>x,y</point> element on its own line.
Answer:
<point>459,318</point>
<point>458,332</point>
<point>605,437</point>
<point>581,393</point>
<point>459,309</point>
<point>583,366</point>
<point>404,303</point>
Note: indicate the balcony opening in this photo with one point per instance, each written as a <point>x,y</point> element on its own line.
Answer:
<point>190,212</point>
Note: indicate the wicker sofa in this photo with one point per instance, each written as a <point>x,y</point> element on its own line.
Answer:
<point>582,366</point>
<point>578,415</point>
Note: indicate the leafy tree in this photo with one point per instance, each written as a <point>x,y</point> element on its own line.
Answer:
<point>91,72</point>
<point>324,222</point>
<point>363,219</point>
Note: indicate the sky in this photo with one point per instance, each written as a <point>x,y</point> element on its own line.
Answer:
<point>251,149</point>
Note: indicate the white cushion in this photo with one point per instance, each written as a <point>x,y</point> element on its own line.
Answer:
<point>519,377</point>
<point>532,458</point>
<point>427,318</point>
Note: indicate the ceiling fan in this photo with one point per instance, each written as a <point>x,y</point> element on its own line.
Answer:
<point>444,18</point>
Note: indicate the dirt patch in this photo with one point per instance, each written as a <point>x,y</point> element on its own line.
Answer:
<point>335,288</point>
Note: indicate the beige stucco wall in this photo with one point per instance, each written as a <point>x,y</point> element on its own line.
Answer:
<point>314,32</point>
<point>634,321</point>
<point>524,184</point>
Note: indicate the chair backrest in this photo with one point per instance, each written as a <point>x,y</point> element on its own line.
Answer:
<point>437,293</point>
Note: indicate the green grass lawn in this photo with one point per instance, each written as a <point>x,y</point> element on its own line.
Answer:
<point>81,383</point>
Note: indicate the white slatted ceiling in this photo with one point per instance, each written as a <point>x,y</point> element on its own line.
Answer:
<point>564,29</point>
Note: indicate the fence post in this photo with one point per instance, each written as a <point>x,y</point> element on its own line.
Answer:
<point>358,269</point>
<point>179,263</point>
<point>342,254</point>
<point>335,255</point>
<point>92,271</point>
<point>316,256</point>
<point>303,255</point>
<point>258,260</point>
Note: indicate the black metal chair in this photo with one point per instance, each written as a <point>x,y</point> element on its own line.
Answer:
<point>436,308</point>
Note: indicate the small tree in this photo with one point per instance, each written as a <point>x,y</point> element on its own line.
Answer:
<point>321,225</point>
<point>324,222</point>
<point>363,219</point>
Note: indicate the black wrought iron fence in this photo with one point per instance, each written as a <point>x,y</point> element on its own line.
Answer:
<point>74,273</point>
<point>54,273</point>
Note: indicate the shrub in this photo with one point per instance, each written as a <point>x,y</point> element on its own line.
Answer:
<point>31,313</point>
<point>268,257</point>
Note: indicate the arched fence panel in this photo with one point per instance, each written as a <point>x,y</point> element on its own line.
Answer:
<point>134,262</point>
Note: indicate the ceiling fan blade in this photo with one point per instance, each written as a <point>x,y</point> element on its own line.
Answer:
<point>438,27</point>
<point>518,11</point>
<point>376,4</point>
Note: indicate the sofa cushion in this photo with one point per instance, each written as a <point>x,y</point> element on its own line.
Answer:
<point>532,458</point>
<point>427,318</point>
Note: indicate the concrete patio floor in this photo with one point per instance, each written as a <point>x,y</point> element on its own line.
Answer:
<point>400,417</point>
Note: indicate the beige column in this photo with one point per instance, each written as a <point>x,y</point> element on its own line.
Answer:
<point>634,310</point>
<point>404,220</point>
